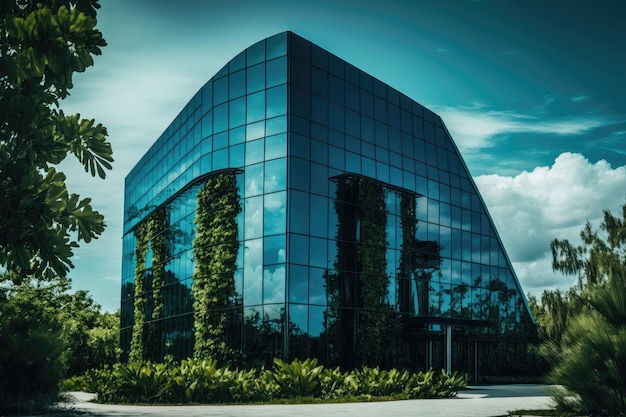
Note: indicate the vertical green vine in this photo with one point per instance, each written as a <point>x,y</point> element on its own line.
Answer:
<point>157,226</point>
<point>149,233</point>
<point>357,291</point>
<point>141,248</point>
<point>408,222</point>
<point>215,252</point>
<point>341,285</point>
<point>373,279</point>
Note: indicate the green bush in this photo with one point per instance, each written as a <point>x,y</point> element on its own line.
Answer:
<point>591,358</point>
<point>202,381</point>
<point>296,379</point>
<point>32,359</point>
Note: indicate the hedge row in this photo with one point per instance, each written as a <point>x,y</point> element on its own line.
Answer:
<point>203,382</point>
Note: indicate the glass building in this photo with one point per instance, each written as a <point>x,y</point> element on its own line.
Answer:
<point>299,207</point>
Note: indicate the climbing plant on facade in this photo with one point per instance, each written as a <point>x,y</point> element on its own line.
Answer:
<point>408,222</point>
<point>136,353</point>
<point>357,290</point>
<point>373,280</point>
<point>215,254</point>
<point>148,234</point>
<point>157,226</point>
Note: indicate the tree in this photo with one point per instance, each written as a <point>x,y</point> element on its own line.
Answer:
<point>47,333</point>
<point>590,356</point>
<point>42,44</point>
<point>92,336</point>
<point>602,251</point>
<point>32,358</point>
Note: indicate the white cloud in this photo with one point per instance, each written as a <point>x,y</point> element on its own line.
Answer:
<point>579,98</point>
<point>475,127</point>
<point>533,208</point>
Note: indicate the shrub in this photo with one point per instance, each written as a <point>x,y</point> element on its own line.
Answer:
<point>297,379</point>
<point>32,360</point>
<point>202,381</point>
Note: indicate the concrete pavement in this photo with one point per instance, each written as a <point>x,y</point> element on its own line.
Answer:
<point>478,401</point>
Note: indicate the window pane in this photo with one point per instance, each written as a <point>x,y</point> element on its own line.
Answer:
<point>275,146</point>
<point>319,221</point>
<point>220,159</point>
<point>256,53</point>
<point>237,112</point>
<point>299,216</point>
<point>236,156</point>
<point>236,136</point>
<point>254,151</point>
<point>317,254</point>
<point>253,208</point>
<point>277,101</point>
<point>220,90</point>
<point>317,286</point>
<point>274,249</point>
<point>252,281</point>
<point>237,84</point>
<point>274,284</point>
<point>255,130</point>
<point>256,78</point>
<point>276,72</point>
<point>276,46</point>
<point>220,118</point>
<point>276,125</point>
<point>299,249</point>
<point>275,178</point>
<point>298,283</point>
<point>256,107</point>
<point>275,213</point>
<point>254,180</point>
<point>207,124</point>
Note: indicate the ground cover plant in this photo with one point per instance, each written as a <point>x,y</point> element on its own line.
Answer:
<point>194,381</point>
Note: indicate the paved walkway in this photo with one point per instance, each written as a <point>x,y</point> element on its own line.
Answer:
<point>479,401</point>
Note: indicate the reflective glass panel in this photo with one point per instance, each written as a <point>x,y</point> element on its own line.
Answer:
<point>298,283</point>
<point>237,112</point>
<point>253,276</point>
<point>254,180</point>
<point>275,178</point>
<point>274,284</point>
<point>253,209</point>
<point>276,101</point>
<point>254,151</point>
<point>256,107</point>
<point>275,146</point>
<point>275,213</point>
<point>276,72</point>
<point>237,84</point>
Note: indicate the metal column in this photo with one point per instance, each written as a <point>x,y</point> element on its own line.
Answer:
<point>449,348</point>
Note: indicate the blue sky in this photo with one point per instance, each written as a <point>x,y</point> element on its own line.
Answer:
<point>533,93</point>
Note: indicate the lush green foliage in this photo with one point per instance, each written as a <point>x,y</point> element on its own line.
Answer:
<point>150,234</point>
<point>357,290</point>
<point>585,332</point>
<point>46,333</point>
<point>92,337</point>
<point>408,219</point>
<point>32,358</point>
<point>42,44</point>
<point>373,281</point>
<point>215,252</point>
<point>201,381</point>
<point>137,349</point>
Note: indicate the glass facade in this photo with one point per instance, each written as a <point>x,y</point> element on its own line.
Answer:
<point>362,238</point>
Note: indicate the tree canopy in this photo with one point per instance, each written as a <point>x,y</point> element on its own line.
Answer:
<point>585,328</point>
<point>42,44</point>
